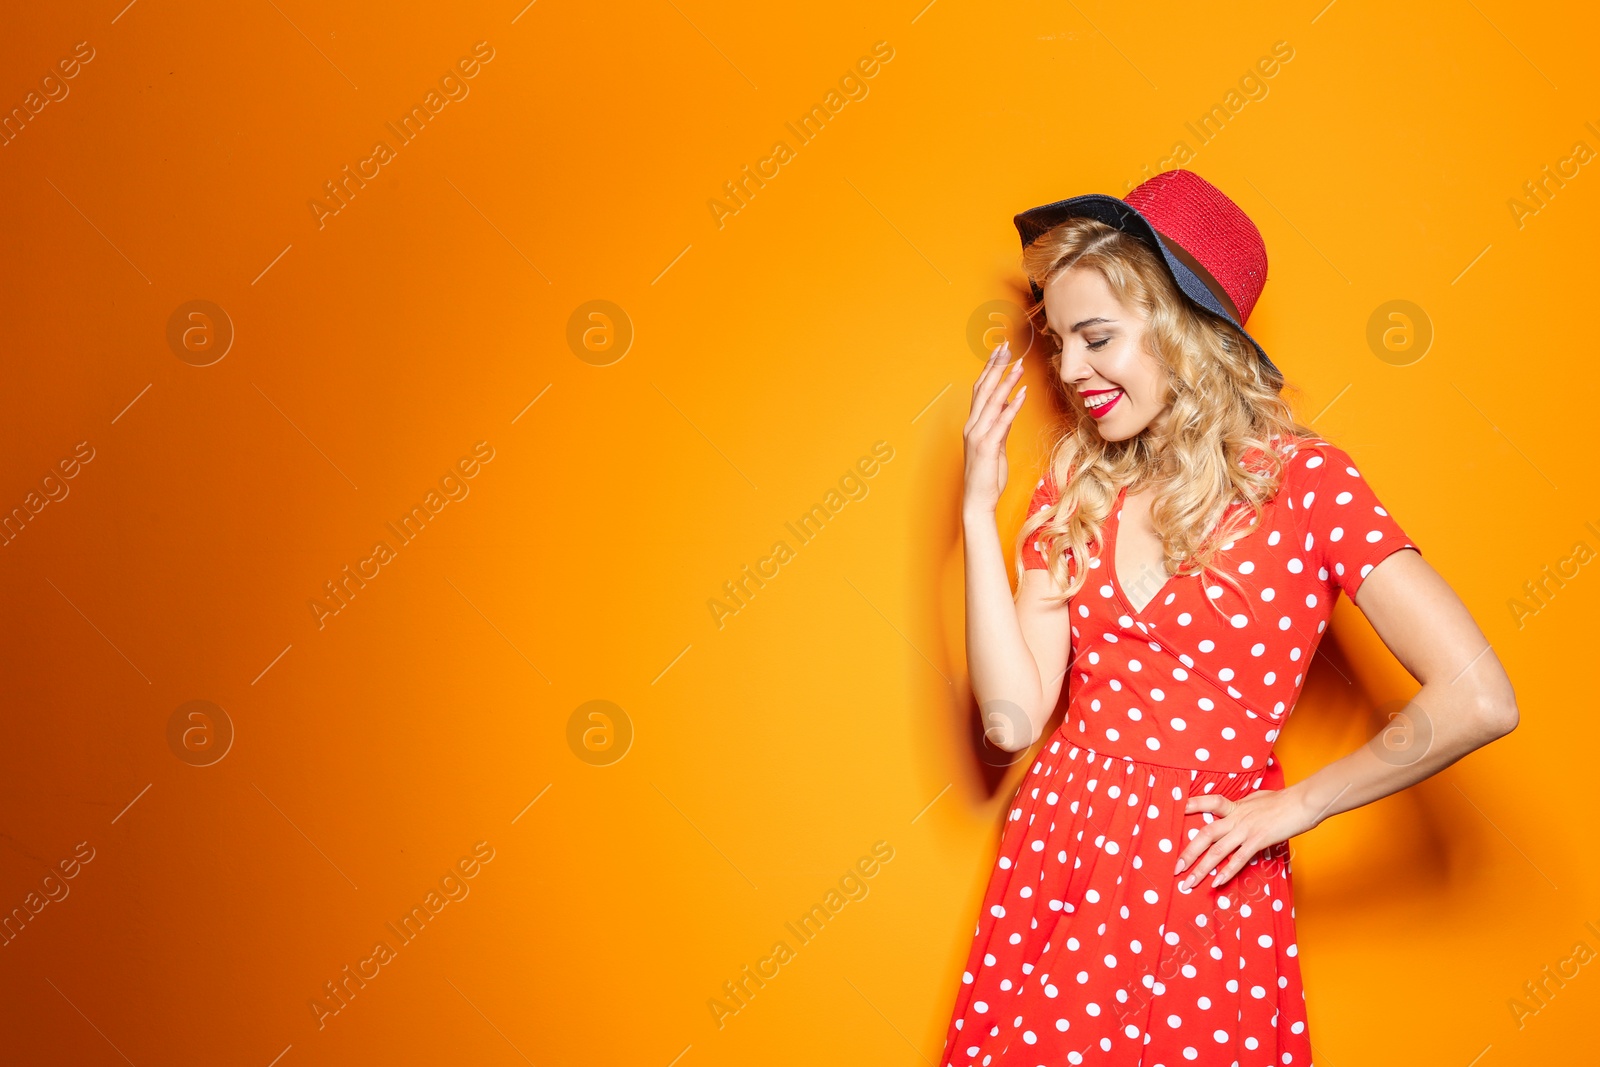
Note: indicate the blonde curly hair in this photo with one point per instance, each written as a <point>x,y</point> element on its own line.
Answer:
<point>1228,436</point>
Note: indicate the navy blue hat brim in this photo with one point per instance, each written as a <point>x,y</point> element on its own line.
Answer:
<point>1035,222</point>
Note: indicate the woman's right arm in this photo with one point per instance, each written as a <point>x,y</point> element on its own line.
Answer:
<point>1017,648</point>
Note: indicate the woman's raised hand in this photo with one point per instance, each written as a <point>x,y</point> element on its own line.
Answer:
<point>987,428</point>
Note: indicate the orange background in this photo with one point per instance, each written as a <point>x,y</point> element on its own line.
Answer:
<point>770,753</point>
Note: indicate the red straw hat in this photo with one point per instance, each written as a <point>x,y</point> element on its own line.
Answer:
<point>1211,248</point>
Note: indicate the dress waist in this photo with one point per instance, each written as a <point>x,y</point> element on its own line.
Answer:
<point>1266,774</point>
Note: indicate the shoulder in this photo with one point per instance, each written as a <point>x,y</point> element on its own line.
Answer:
<point>1046,490</point>
<point>1307,459</point>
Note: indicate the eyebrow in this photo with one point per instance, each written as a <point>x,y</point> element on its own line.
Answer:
<point>1090,322</point>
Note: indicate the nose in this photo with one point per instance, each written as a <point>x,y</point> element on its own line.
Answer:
<point>1074,365</point>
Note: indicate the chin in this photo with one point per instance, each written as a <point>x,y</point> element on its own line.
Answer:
<point>1119,433</point>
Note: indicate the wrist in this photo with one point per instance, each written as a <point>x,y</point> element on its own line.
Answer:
<point>1312,811</point>
<point>975,515</point>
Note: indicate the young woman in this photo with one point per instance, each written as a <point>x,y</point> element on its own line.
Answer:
<point>1179,565</point>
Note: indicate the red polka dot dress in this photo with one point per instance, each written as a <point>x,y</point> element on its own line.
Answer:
<point>1086,950</point>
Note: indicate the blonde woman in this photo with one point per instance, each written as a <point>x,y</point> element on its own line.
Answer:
<point>1178,568</point>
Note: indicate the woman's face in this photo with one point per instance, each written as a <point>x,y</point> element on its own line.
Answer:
<point>1104,363</point>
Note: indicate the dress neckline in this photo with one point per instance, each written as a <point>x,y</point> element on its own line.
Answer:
<point>1138,614</point>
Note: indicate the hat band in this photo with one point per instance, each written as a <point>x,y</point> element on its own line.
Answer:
<point>1204,275</point>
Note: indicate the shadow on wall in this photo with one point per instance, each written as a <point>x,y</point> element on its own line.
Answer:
<point>1354,690</point>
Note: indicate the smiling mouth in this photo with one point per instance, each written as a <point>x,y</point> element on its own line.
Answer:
<point>1100,403</point>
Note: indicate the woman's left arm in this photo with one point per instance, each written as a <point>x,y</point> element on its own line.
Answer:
<point>1466,701</point>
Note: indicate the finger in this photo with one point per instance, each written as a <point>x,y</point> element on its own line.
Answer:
<point>1203,843</point>
<point>994,383</point>
<point>1009,415</point>
<point>981,386</point>
<point>1235,864</point>
<point>1213,858</point>
<point>993,401</point>
<point>985,385</point>
<point>1204,802</point>
<point>996,357</point>
<point>1197,845</point>
<point>999,431</point>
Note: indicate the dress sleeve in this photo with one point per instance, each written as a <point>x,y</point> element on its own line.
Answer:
<point>1350,530</point>
<point>1044,495</point>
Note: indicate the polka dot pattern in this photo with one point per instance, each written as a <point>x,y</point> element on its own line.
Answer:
<point>1086,949</point>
